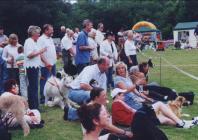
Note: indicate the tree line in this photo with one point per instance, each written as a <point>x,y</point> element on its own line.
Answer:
<point>17,15</point>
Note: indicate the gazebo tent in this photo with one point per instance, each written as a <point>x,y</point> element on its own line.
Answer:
<point>184,32</point>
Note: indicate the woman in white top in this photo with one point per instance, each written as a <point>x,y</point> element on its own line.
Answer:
<point>32,63</point>
<point>92,42</point>
<point>108,49</point>
<point>10,54</point>
<point>130,50</point>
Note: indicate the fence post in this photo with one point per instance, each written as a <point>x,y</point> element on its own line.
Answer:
<point>160,71</point>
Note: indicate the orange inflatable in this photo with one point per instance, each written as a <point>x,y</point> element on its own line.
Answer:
<point>143,24</point>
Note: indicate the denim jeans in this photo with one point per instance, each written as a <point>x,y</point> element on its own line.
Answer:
<point>79,96</point>
<point>23,85</point>
<point>45,74</point>
<point>109,75</point>
<point>72,114</point>
<point>33,75</point>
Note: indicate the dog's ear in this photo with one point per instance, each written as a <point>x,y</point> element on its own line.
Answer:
<point>181,101</point>
<point>150,63</point>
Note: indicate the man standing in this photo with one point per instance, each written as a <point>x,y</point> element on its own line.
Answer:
<point>80,88</point>
<point>67,48</point>
<point>3,72</point>
<point>99,36</point>
<point>62,32</point>
<point>196,35</point>
<point>3,38</point>
<point>76,33</point>
<point>82,58</point>
<point>48,58</point>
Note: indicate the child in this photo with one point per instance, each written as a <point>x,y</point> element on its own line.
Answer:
<point>22,73</point>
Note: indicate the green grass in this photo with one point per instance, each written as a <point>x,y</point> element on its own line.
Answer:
<point>57,129</point>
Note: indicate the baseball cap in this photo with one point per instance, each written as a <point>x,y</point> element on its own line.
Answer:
<point>116,91</point>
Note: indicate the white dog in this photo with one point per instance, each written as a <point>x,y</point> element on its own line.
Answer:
<point>58,90</point>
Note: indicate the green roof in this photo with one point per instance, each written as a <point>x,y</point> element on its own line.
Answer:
<point>146,29</point>
<point>186,25</point>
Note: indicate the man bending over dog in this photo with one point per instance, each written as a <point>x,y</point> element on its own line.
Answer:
<point>80,88</point>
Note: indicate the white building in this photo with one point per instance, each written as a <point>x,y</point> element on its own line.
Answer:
<point>184,33</point>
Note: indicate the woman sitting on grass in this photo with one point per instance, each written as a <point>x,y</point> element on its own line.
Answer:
<point>99,96</point>
<point>133,99</point>
<point>94,118</point>
<point>155,91</point>
<point>141,123</point>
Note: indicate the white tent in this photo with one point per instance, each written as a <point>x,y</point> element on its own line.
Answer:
<point>184,33</point>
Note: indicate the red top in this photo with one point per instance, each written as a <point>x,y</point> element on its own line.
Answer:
<point>122,113</point>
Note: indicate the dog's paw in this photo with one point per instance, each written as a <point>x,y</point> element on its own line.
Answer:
<point>26,131</point>
<point>50,104</point>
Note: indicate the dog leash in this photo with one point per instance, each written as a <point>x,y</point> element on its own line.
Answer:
<point>57,86</point>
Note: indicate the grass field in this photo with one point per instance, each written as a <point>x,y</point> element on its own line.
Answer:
<point>57,129</point>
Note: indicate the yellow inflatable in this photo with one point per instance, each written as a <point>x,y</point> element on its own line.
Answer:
<point>143,24</point>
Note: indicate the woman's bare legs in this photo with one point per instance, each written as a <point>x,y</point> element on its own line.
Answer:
<point>167,112</point>
<point>165,120</point>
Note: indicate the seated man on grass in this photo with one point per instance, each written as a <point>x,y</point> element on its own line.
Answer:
<point>80,88</point>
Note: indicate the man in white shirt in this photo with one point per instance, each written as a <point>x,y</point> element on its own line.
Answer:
<point>109,50</point>
<point>99,36</point>
<point>67,48</point>
<point>48,58</point>
<point>76,33</point>
<point>80,88</point>
<point>92,42</point>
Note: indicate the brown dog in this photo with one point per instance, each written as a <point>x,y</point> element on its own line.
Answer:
<point>176,105</point>
<point>17,105</point>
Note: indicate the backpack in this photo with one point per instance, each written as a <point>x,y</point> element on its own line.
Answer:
<point>4,134</point>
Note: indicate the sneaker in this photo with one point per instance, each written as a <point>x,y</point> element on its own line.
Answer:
<point>195,120</point>
<point>186,124</point>
<point>66,109</point>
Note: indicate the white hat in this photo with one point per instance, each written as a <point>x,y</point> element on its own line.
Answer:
<point>116,91</point>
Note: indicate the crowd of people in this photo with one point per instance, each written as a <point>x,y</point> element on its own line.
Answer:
<point>104,63</point>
